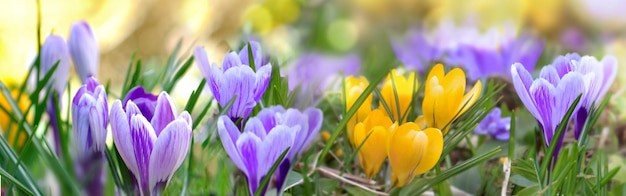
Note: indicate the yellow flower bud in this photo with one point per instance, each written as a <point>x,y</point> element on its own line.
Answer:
<point>412,151</point>
<point>373,151</point>
<point>444,99</point>
<point>404,90</point>
<point>354,87</point>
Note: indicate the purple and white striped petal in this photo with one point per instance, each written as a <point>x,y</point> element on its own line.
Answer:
<point>120,128</point>
<point>143,139</point>
<point>522,82</point>
<point>251,151</point>
<point>165,112</point>
<point>262,75</point>
<point>169,152</point>
<point>231,60</point>
<point>229,134</point>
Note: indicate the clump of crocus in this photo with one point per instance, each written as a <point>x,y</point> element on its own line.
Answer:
<point>236,79</point>
<point>494,125</point>
<point>601,75</point>
<point>90,119</point>
<point>397,93</point>
<point>53,51</point>
<point>549,97</point>
<point>84,50</point>
<point>444,97</point>
<point>354,87</point>
<point>412,151</point>
<point>153,144</point>
<point>265,137</point>
<point>375,128</point>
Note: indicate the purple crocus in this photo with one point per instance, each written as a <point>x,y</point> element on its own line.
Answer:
<point>153,145</point>
<point>601,76</point>
<point>55,50</point>
<point>236,79</point>
<point>548,97</point>
<point>84,50</point>
<point>492,53</point>
<point>90,118</point>
<point>494,125</point>
<point>265,137</point>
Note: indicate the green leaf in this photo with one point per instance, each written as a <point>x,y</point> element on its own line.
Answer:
<point>353,190</point>
<point>181,71</point>
<point>17,183</point>
<point>520,180</point>
<point>533,190</point>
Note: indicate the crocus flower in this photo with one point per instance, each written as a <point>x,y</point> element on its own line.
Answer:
<point>305,125</point>
<point>90,119</point>
<point>444,99</point>
<point>354,87</point>
<point>154,145</point>
<point>491,53</point>
<point>373,152</point>
<point>602,74</point>
<point>400,87</point>
<point>412,151</point>
<point>235,79</point>
<point>548,97</point>
<point>55,50</point>
<point>84,50</point>
<point>494,125</point>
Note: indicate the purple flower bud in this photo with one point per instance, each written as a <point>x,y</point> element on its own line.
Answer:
<point>84,50</point>
<point>265,137</point>
<point>152,149</point>
<point>235,78</point>
<point>55,50</point>
<point>90,118</point>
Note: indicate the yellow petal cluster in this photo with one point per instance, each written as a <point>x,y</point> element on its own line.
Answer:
<point>397,85</point>
<point>412,151</point>
<point>372,153</point>
<point>15,137</point>
<point>444,97</point>
<point>354,87</point>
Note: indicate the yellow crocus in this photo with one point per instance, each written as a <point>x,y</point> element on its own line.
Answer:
<point>404,89</point>
<point>12,134</point>
<point>444,97</point>
<point>372,153</point>
<point>354,87</point>
<point>412,151</point>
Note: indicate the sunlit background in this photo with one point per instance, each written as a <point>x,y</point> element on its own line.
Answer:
<point>290,28</point>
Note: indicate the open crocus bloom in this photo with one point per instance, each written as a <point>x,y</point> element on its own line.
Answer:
<point>412,151</point>
<point>397,93</point>
<point>236,79</point>
<point>548,97</point>
<point>301,127</point>
<point>444,98</point>
<point>152,147</point>
<point>373,152</point>
<point>600,75</point>
<point>354,87</point>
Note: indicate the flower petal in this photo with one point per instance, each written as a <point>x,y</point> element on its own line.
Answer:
<point>229,134</point>
<point>120,129</point>
<point>432,152</point>
<point>164,113</point>
<point>143,138</point>
<point>169,151</point>
<point>251,151</point>
<point>202,61</point>
<point>230,60</point>
<point>84,50</point>
<point>522,82</point>
<point>262,75</point>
